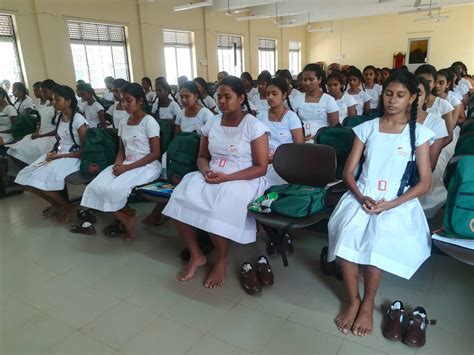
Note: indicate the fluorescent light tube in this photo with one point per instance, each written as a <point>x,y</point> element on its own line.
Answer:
<point>192,6</point>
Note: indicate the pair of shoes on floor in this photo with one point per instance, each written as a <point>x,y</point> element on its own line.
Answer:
<point>86,220</point>
<point>329,268</point>
<point>273,249</point>
<point>410,329</point>
<point>253,279</point>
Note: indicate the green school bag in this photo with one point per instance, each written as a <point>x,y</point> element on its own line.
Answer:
<point>98,151</point>
<point>341,139</point>
<point>167,128</point>
<point>459,210</point>
<point>465,144</point>
<point>353,121</point>
<point>290,200</point>
<point>181,156</point>
<point>25,124</point>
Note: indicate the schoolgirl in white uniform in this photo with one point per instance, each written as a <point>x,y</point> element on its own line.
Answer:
<point>8,116</point>
<point>165,106</point>
<point>356,90</point>
<point>148,88</point>
<point>232,162</point>
<point>248,83</point>
<point>34,145</point>
<point>346,103</point>
<point>136,163</point>
<point>193,116</point>
<point>39,101</point>
<point>371,88</point>
<point>93,110</point>
<point>108,94</point>
<point>23,103</point>
<point>205,99</point>
<point>282,123</point>
<point>379,225</point>
<point>117,113</point>
<point>316,109</point>
<point>294,95</point>
<point>260,100</point>
<point>46,175</point>
<point>443,89</point>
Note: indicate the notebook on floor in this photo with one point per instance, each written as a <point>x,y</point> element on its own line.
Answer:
<point>465,243</point>
<point>158,189</point>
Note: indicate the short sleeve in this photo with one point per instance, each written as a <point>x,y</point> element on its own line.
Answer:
<point>256,128</point>
<point>122,123</point>
<point>179,117</point>
<point>446,107</point>
<point>28,103</point>
<point>331,104</point>
<point>79,121</point>
<point>440,129</point>
<point>211,102</point>
<point>111,109</point>
<point>205,115</point>
<point>350,101</point>
<point>379,89</point>
<point>454,101</point>
<point>423,135</point>
<point>174,108</point>
<point>208,126</point>
<point>98,107</point>
<point>365,96</point>
<point>293,120</point>
<point>152,128</point>
<point>10,111</point>
<point>364,130</point>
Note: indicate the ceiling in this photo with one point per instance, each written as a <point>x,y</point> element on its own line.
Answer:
<point>301,12</point>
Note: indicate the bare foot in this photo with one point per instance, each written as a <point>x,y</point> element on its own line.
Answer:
<point>49,211</point>
<point>217,276</point>
<point>363,324</point>
<point>128,222</point>
<point>345,320</point>
<point>190,270</point>
<point>65,217</point>
<point>153,220</point>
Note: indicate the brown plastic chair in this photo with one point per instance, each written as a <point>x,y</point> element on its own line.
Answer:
<point>302,164</point>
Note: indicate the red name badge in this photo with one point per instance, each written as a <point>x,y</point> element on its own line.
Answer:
<point>222,162</point>
<point>382,186</point>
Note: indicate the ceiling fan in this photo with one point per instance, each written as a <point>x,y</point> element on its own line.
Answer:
<point>432,17</point>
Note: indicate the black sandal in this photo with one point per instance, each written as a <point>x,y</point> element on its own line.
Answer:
<point>85,228</point>
<point>114,230</point>
<point>85,216</point>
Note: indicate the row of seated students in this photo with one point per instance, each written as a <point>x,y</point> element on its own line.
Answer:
<point>368,229</point>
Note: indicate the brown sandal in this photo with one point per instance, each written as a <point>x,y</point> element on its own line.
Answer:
<point>264,271</point>
<point>415,333</point>
<point>249,279</point>
<point>392,328</point>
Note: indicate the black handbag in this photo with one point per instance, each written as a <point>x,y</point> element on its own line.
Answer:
<point>411,176</point>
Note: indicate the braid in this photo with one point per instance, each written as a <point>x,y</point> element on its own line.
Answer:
<point>289,103</point>
<point>246,104</point>
<point>412,122</point>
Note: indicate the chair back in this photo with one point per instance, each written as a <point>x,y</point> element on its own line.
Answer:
<point>305,164</point>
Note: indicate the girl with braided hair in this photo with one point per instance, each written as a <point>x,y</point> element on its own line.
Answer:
<point>379,225</point>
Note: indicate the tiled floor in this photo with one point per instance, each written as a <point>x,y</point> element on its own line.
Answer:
<point>62,293</point>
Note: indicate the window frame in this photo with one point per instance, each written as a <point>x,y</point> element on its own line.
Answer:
<point>275,53</point>
<point>298,51</point>
<point>176,45</point>
<point>12,38</point>
<point>237,71</point>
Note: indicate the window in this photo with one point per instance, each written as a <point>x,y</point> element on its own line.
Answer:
<point>178,55</point>
<point>295,57</point>
<point>98,50</point>
<point>10,68</point>
<point>267,55</point>
<point>229,53</point>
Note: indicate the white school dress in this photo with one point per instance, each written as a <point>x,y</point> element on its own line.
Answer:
<point>252,93</point>
<point>453,99</point>
<point>91,112</point>
<point>466,83</point>
<point>374,94</point>
<point>314,115</point>
<point>38,104</point>
<point>108,95</point>
<point>260,104</point>
<point>49,176</point>
<point>209,102</point>
<point>361,98</point>
<point>166,113</point>
<point>296,97</point>
<point>109,193</point>
<point>279,133</point>
<point>81,105</point>
<point>193,124</point>
<point>117,115</point>
<point>396,240</point>
<point>440,107</point>
<point>6,123</point>
<point>22,105</point>
<point>28,150</point>
<point>150,97</point>
<point>344,103</point>
<point>221,209</point>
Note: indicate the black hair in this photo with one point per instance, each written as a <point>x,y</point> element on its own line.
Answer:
<point>201,82</point>
<point>282,85</point>
<point>246,76</point>
<point>80,81</point>
<point>4,95</point>
<point>354,72</point>
<point>192,87</point>
<point>408,80</point>
<point>67,94</point>
<point>337,75</point>
<point>237,86</point>
<point>21,87</point>
<point>88,88</point>
<point>462,65</point>
<point>300,74</point>
<point>450,76</point>
<point>426,85</point>
<point>37,85</point>
<point>370,67</point>
<point>119,83</point>
<point>320,74</point>
<point>264,76</point>
<point>48,84</point>
<point>136,90</point>
<point>148,81</point>
<point>285,74</point>
<point>277,73</point>
<point>223,72</point>
<point>162,83</point>
<point>426,69</point>
<point>107,79</point>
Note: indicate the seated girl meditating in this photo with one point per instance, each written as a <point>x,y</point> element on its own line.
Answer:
<point>45,176</point>
<point>232,161</point>
<point>379,225</point>
<point>116,113</point>
<point>136,163</point>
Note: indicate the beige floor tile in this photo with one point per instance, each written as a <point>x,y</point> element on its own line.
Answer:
<point>119,324</point>
<point>247,328</point>
<point>440,343</point>
<point>212,346</point>
<point>80,344</point>
<point>163,336</point>
<point>15,313</point>
<point>351,348</point>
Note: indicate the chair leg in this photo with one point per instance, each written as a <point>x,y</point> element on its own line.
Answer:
<point>276,237</point>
